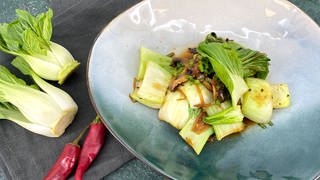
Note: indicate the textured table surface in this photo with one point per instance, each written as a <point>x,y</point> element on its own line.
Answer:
<point>134,169</point>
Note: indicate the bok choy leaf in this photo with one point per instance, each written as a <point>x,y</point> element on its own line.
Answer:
<point>29,37</point>
<point>227,116</point>
<point>227,67</point>
<point>254,63</point>
<point>223,130</point>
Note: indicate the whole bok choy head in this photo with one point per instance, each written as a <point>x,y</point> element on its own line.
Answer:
<point>29,37</point>
<point>48,111</point>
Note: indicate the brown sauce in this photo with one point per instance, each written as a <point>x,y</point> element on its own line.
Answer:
<point>134,83</point>
<point>189,141</point>
<point>199,126</point>
<point>158,86</point>
<point>184,96</point>
<point>200,94</point>
<point>186,55</point>
<point>248,123</point>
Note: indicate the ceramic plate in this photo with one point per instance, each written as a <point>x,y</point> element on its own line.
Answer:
<point>287,150</point>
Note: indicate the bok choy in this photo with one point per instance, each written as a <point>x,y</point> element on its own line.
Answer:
<point>175,109</point>
<point>29,37</point>
<point>257,102</point>
<point>227,66</point>
<point>195,132</point>
<point>227,116</point>
<point>208,90</point>
<point>254,63</point>
<point>223,130</point>
<point>280,95</point>
<point>153,78</point>
<point>47,111</point>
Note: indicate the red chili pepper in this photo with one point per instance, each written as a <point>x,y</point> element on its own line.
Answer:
<point>66,161</point>
<point>91,147</point>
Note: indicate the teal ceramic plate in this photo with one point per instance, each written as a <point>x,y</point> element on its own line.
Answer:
<point>287,150</point>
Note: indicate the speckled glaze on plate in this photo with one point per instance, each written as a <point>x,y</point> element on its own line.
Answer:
<point>287,150</point>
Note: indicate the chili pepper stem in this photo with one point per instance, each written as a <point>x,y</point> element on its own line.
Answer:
<point>96,120</point>
<point>76,141</point>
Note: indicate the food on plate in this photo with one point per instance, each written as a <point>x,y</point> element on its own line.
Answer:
<point>209,90</point>
<point>29,37</point>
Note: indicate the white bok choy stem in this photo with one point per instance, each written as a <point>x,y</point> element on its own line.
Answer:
<point>48,111</point>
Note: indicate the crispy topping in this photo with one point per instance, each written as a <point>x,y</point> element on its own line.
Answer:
<point>178,80</point>
<point>214,90</point>
<point>199,126</point>
<point>207,85</point>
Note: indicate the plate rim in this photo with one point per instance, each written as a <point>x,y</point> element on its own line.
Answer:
<point>104,121</point>
<point>89,89</point>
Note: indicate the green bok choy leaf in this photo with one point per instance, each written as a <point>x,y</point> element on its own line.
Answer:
<point>223,130</point>
<point>227,67</point>
<point>29,37</point>
<point>254,63</point>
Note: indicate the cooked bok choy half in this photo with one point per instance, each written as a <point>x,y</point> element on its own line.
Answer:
<point>153,87</point>
<point>257,102</point>
<point>280,95</point>
<point>196,132</point>
<point>175,109</point>
<point>226,116</point>
<point>29,37</point>
<point>153,79</point>
<point>196,94</point>
<point>48,111</point>
<point>223,130</point>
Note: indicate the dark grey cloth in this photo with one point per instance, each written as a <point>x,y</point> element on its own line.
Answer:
<point>24,155</point>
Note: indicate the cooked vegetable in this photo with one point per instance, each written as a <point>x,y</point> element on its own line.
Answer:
<point>195,132</point>
<point>175,109</point>
<point>146,55</point>
<point>227,116</point>
<point>227,67</point>
<point>197,94</point>
<point>206,86</point>
<point>223,130</point>
<point>215,108</point>
<point>257,102</point>
<point>280,95</point>
<point>153,86</point>
<point>90,149</point>
<point>47,112</point>
<point>254,63</point>
<point>29,37</point>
